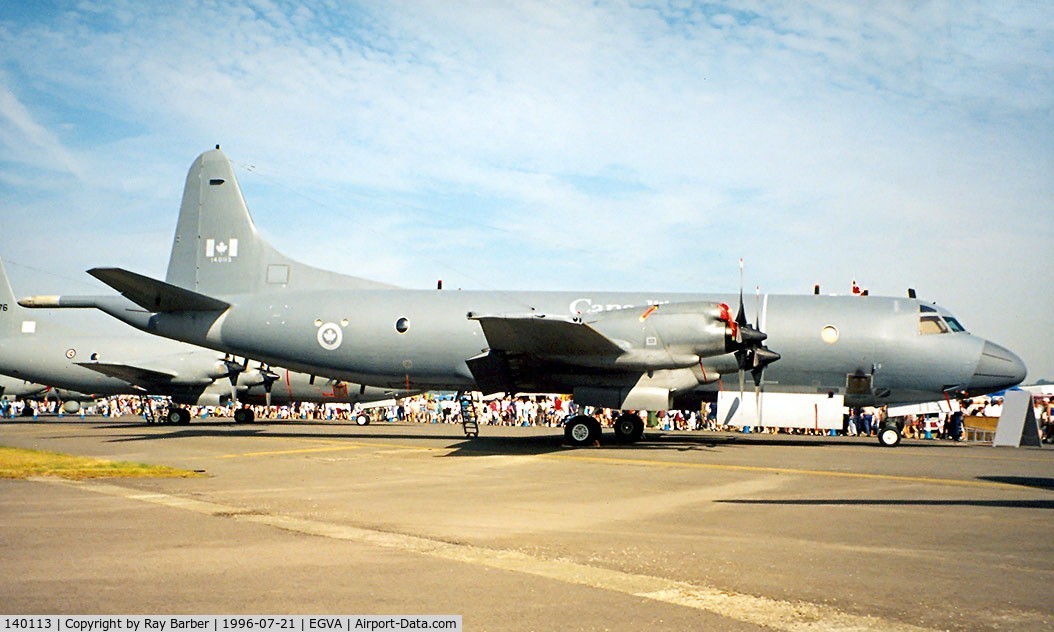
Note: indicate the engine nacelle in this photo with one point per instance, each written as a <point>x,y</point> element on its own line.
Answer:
<point>212,399</point>
<point>668,336</point>
<point>626,398</point>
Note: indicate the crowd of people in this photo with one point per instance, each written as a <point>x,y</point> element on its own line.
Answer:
<point>539,410</point>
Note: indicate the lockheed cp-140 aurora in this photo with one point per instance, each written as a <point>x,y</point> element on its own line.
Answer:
<point>228,289</point>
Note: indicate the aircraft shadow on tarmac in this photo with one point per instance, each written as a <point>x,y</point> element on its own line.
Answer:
<point>882,502</point>
<point>1024,481</point>
<point>485,445</point>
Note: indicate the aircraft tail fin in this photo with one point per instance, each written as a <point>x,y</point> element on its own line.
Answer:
<point>217,249</point>
<point>10,311</point>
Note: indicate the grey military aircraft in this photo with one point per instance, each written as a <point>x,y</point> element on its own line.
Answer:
<point>14,388</point>
<point>227,289</point>
<point>90,365</point>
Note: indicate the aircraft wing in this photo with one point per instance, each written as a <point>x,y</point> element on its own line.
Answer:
<point>521,346</point>
<point>143,378</point>
<point>544,336</point>
<point>154,295</point>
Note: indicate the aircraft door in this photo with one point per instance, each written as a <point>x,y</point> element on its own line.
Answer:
<point>858,389</point>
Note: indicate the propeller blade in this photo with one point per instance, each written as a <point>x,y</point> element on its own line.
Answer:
<point>757,374</point>
<point>233,377</point>
<point>742,375</point>
<point>757,313</point>
<point>757,401</point>
<point>741,315</point>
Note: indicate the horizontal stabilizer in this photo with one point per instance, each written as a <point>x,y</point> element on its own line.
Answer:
<point>544,336</point>
<point>154,295</point>
<point>143,378</point>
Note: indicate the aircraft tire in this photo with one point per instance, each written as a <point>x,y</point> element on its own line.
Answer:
<point>244,416</point>
<point>629,428</point>
<point>362,419</point>
<point>581,430</point>
<point>889,436</point>
<point>183,416</point>
<point>172,416</point>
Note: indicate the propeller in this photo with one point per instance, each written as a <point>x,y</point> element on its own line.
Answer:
<point>232,370</point>
<point>263,376</point>
<point>269,378</point>
<point>751,353</point>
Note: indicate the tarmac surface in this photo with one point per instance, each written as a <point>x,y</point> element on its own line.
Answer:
<point>514,531</point>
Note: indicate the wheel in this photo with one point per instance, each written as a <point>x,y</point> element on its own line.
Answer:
<point>183,416</point>
<point>582,430</point>
<point>244,416</point>
<point>362,419</point>
<point>629,428</point>
<point>889,436</point>
<point>173,416</point>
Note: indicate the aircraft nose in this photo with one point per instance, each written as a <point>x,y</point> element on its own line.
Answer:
<point>998,368</point>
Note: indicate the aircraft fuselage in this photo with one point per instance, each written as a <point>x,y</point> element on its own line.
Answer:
<point>421,339</point>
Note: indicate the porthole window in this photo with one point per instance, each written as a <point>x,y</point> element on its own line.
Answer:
<point>402,325</point>
<point>829,334</point>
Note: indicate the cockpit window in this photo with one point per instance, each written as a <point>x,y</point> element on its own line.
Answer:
<point>954,324</point>
<point>932,325</point>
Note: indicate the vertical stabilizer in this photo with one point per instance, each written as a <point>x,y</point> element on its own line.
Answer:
<point>10,311</point>
<point>218,251</point>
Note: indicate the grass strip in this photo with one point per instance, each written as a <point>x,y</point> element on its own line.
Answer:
<point>22,463</point>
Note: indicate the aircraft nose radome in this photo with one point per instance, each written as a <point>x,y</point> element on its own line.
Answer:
<point>997,369</point>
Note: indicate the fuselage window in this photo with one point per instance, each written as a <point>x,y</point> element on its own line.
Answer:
<point>932,325</point>
<point>954,324</point>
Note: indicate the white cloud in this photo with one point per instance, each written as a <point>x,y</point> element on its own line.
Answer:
<point>25,140</point>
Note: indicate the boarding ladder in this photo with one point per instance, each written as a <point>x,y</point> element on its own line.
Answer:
<point>469,423</point>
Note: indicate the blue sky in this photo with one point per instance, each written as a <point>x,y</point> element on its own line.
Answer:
<point>562,145</point>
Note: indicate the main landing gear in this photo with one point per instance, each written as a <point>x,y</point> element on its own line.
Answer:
<point>181,416</point>
<point>583,430</point>
<point>176,415</point>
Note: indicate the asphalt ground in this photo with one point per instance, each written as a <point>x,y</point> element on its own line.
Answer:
<point>514,531</point>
